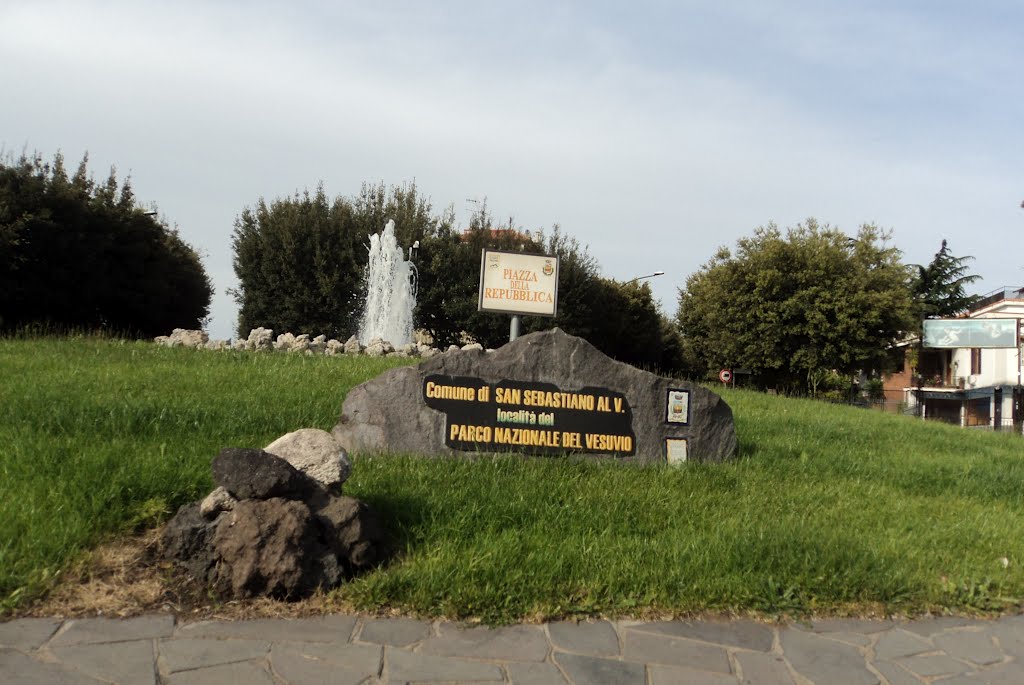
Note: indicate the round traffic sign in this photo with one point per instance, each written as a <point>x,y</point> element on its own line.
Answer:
<point>725,375</point>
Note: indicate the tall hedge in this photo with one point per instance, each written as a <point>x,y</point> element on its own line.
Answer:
<point>75,254</point>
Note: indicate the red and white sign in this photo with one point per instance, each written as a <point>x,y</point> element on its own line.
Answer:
<point>725,375</point>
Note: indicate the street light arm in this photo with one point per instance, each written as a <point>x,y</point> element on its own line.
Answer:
<point>641,277</point>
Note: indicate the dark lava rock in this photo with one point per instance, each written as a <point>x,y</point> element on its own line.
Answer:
<point>187,539</point>
<point>353,532</point>
<point>268,547</point>
<point>255,474</point>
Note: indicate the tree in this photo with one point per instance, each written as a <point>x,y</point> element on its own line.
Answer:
<point>297,263</point>
<point>939,287</point>
<point>300,260</point>
<point>300,265</point>
<point>80,255</point>
<point>449,278</point>
<point>793,308</point>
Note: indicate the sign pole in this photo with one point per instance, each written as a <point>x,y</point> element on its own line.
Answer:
<point>515,328</point>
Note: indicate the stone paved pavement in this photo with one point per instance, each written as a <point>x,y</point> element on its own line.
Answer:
<point>158,650</point>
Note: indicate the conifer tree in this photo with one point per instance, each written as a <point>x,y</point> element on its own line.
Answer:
<point>940,288</point>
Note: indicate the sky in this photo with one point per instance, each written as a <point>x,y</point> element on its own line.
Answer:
<point>653,132</point>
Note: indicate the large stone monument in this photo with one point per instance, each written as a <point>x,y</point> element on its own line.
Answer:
<point>546,393</point>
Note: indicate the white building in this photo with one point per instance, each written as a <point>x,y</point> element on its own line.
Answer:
<point>974,386</point>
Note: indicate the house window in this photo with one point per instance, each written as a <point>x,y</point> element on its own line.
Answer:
<point>975,361</point>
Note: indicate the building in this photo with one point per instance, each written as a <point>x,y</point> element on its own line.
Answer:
<point>965,385</point>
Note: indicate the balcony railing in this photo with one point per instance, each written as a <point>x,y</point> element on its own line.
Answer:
<point>937,381</point>
<point>1004,293</point>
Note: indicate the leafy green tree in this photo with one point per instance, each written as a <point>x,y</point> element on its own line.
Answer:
<point>794,307</point>
<point>449,279</point>
<point>300,260</point>
<point>80,255</point>
<point>625,323</point>
<point>939,288</point>
<point>405,205</point>
<point>298,265</point>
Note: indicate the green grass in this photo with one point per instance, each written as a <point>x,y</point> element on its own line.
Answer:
<point>829,509</point>
<point>100,437</point>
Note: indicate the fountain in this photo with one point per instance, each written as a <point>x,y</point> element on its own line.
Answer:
<point>390,292</point>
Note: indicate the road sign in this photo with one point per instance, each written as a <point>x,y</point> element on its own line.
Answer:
<point>725,375</point>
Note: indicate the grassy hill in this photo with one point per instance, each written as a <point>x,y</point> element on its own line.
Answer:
<point>829,509</point>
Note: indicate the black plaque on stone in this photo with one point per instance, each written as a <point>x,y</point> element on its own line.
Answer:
<point>530,417</point>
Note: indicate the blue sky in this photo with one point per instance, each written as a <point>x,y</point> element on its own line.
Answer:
<point>654,132</point>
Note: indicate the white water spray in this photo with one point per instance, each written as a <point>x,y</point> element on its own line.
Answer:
<point>390,292</point>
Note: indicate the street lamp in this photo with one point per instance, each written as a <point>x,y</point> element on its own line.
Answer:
<point>640,278</point>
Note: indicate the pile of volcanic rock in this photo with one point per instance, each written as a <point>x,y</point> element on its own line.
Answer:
<point>276,525</point>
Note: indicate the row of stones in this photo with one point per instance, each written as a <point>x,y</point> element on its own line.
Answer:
<point>262,339</point>
<point>403,650</point>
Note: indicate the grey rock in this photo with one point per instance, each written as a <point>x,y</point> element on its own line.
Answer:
<point>217,501</point>
<point>284,342</point>
<point>255,474</point>
<point>181,337</point>
<point>188,540</point>
<point>269,547</point>
<point>316,453</point>
<point>389,413</point>
<point>334,347</point>
<point>260,339</point>
<point>301,344</point>
<point>352,531</point>
<point>352,346</point>
<point>378,348</point>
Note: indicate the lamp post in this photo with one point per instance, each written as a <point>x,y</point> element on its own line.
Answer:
<point>640,278</point>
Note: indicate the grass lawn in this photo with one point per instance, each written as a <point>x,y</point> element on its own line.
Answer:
<point>829,509</point>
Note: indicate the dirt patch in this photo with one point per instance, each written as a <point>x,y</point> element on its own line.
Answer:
<point>126,577</point>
